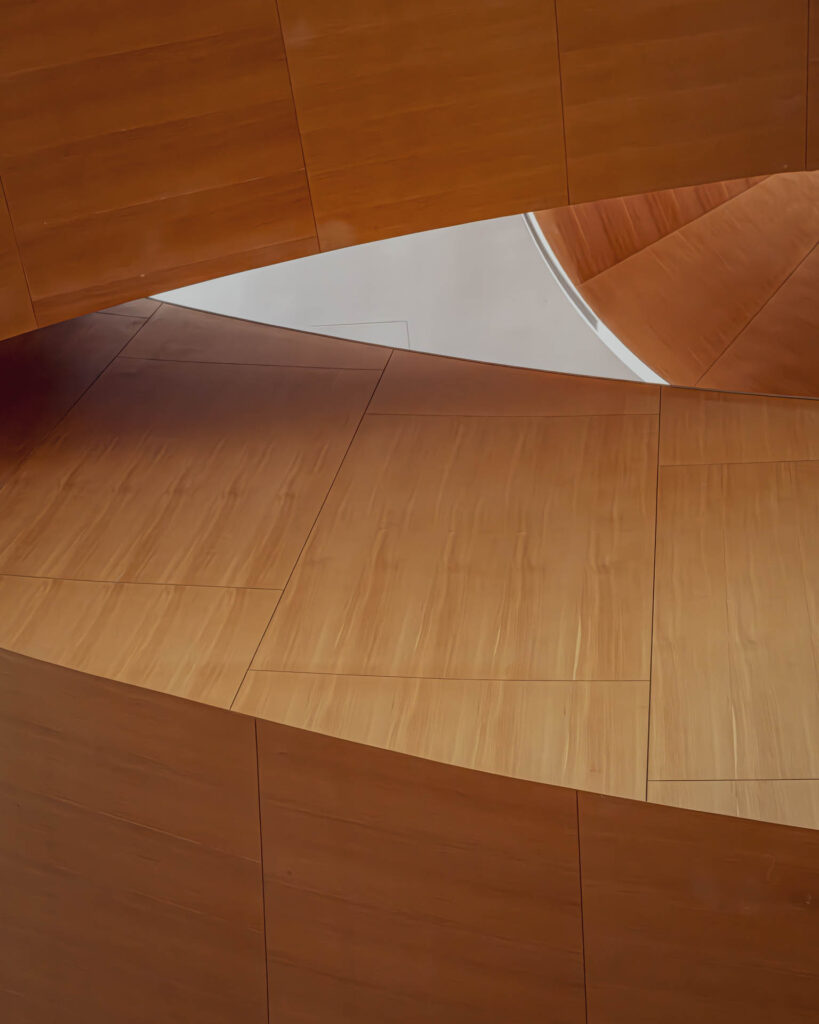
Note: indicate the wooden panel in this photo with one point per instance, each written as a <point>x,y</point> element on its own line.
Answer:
<point>183,473</point>
<point>16,313</point>
<point>132,161</point>
<point>659,94</point>
<point>591,237</point>
<point>399,890</point>
<point>196,642</point>
<point>777,351</point>
<point>795,802</point>
<point>473,548</point>
<point>417,116</point>
<point>813,89</point>
<point>432,385</point>
<point>702,427</point>
<point>44,372</point>
<point>591,735</point>
<point>690,916</point>
<point>680,303</point>
<point>734,684</point>
<point>130,854</point>
<point>179,333</point>
<point>136,307</point>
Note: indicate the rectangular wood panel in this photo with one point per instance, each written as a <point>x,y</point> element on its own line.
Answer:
<point>789,802</point>
<point>400,890</point>
<point>659,94</point>
<point>479,548</point>
<point>16,312</point>
<point>695,917</point>
<point>125,162</point>
<point>813,89</point>
<point>416,116</point>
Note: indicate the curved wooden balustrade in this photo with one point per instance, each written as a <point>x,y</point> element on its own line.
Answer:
<point>156,145</point>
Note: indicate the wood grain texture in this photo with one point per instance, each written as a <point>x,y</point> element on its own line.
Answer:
<point>399,890</point>
<point>691,916</point>
<point>188,334</point>
<point>679,303</point>
<point>420,384</point>
<point>659,94</point>
<point>183,473</point>
<point>195,642</point>
<point>44,372</point>
<point>416,117</point>
<point>130,855</point>
<point>16,311</point>
<point>588,238</point>
<point>712,427</point>
<point>794,802</point>
<point>479,548</point>
<point>186,146</point>
<point>143,308</point>
<point>734,685</point>
<point>589,735</point>
<point>813,89</point>
<point>778,351</point>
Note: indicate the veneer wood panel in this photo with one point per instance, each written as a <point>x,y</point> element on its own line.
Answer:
<point>679,303</point>
<point>420,384</point>
<point>659,94</point>
<point>183,473</point>
<point>178,333</point>
<point>792,802</point>
<point>591,735</point>
<point>813,89</point>
<point>704,427</point>
<point>16,312</point>
<point>195,642</point>
<point>143,308</point>
<point>777,351</point>
<point>479,548</point>
<point>690,916</point>
<point>397,889</point>
<point>44,372</point>
<point>416,117</point>
<point>734,684</point>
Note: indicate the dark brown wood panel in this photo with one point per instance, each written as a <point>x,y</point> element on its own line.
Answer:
<point>126,162</point>
<point>660,94</point>
<point>813,88</point>
<point>696,917</point>
<point>16,312</point>
<point>400,890</point>
<point>130,874</point>
<point>418,115</point>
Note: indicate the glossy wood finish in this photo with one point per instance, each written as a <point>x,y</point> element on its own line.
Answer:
<point>207,475</point>
<point>188,334</point>
<point>195,642</point>
<point>416,117</point>
<point>44,372</point>
<point>792,802</point>
<point>479,548</point>
<point>397,889</point>
<point>696,917</point>
<point>588,735</point>
<point>646,83</point>
<point>426,385</point>
<point>16,311</point>
<point>679,303</point>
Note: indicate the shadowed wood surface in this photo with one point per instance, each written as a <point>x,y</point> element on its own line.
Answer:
<point>813,89</point>
<point>16,312</point>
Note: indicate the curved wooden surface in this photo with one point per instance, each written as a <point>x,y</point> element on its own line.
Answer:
<point>715,286</point>
<point>597,584</point>
<point>154,146</point>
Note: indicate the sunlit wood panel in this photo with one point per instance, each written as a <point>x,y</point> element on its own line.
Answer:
<point>789,802</point>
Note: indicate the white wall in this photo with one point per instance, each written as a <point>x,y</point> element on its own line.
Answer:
<point>479,291</point>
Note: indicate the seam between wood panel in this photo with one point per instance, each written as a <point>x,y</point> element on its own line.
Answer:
<point>582,922</point>
<point>653,590</point>
<point>5,200</point>
<point>562,106</point>
<point>261,865</point>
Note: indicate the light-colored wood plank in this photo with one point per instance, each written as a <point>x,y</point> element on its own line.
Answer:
<point>188,334</point>
<point>679,303</point>
<point>136,307</point>
<point>778,352</point>
<point>422,384</point>
<point>414,117</point>
<point>584,735</point>
<point>43,372</point>
<point>709,427</point>
<point>16,311</point>
<point>183,473</point>
<point>479,548</point>
<point>195,642</point>
<point>659,94</point>
<point>788,803</point>
<point>735,691</point>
